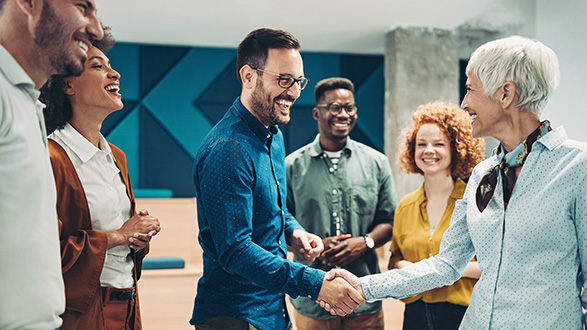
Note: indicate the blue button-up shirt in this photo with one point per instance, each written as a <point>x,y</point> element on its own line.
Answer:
<point>239,173</point>
<point>530,254</point>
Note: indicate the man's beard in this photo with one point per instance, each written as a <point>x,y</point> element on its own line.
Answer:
<point>264,106</point>
<point>51,36</point>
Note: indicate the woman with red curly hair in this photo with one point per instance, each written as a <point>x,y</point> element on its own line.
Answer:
<point>438,145</point>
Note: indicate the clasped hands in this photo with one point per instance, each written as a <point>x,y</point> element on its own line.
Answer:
<point>137,231</point>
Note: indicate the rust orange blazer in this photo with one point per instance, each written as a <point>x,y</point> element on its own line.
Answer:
<point>83,250</point>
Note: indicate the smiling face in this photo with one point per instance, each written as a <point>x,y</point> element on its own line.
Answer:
<point>486,113</point>
<point>432,151</point>
<point>334,129</point>
<point>271,103</point>
<point>64,33</point>
<point>96,90</point>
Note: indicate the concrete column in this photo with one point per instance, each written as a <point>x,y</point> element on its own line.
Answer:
<point>421,65</point>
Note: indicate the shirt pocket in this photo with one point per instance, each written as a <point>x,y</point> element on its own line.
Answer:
<point>364,199</point>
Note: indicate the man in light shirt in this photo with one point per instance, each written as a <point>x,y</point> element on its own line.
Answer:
<point>38,38</point>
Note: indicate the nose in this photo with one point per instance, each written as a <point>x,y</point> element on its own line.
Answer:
<point>295,91</point>
<point>94,28</point>
<point>429,149</point>
<point>343,113</point>
<point>464,102</point>
<point>113,74</point>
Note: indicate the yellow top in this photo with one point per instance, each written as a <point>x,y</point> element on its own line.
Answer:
<point>413,242</point>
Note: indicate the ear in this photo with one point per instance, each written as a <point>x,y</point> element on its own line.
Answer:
<point>68,88</point>
<point>28,6</point>
<point>316,113</point>
<point>247,75</point>
<point>508,94</point>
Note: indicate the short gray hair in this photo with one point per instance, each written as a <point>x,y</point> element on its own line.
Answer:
<point>528,63</point>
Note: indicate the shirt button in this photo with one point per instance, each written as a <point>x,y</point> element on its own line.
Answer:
<point>430,238</point>
<point>331,170</point>
<point>278,183</point>
<point>279,242</point>
<point>334,192</point>
<point>430,254</point>
<point>268,136</point>
<point>282,212</point>
<point>333,214</point>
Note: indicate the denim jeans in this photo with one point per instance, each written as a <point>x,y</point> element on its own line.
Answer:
<point>433,316</point>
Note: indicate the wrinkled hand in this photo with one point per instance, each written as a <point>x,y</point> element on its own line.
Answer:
<point>306,245</point>
<point>341,292</point>
<point>343,249</point>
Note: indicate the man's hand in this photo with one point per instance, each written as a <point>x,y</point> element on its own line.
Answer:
<point>306,245</point>
<point>342,250</point>
<point>341,292</point>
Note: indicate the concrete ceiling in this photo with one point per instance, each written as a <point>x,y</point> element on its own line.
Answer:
<point>346,26</point>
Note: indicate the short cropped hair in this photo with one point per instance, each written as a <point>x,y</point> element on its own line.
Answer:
<point>253,50</point>
<point>329,84</point>
<point>466,151</point>
<point>528,63</point>
<point>58,110</point>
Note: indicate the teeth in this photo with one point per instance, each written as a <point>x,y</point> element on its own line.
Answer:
<point>82,45</point>
<point>341,125</point>
<point>429,160</point>
<point>284,103</point>
<point>473,117</point>
<point>111,88</point>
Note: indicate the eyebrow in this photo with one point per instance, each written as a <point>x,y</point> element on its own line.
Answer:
<point>99,58</point>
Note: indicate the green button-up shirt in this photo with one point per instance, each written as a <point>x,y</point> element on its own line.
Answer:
<point>350,198</point>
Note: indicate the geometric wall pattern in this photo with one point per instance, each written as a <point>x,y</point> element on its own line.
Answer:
<point>174,95</point>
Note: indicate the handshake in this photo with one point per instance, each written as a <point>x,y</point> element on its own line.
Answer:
<point>341,292</point>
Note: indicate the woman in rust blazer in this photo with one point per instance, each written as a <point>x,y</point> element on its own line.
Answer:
<point>103,239</point>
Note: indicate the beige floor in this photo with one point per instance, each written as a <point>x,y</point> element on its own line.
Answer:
<point>167,296</point>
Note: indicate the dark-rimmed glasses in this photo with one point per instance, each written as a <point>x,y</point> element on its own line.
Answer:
<point>336,108</point>
<point>287,80</point>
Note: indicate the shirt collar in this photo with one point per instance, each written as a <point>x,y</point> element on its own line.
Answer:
<point>553,138</point>
<point>15,74</point>
<point>262,132</point>
<point>316,149</point>
<point>83,148</point>
<point>456,194</point>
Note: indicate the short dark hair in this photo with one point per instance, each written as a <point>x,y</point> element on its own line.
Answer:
<point>58,109</point>
<point>329,84</point>
<point>253,49</point>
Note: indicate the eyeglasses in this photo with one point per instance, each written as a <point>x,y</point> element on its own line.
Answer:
<point>287,80</point>
<point>336,108</point>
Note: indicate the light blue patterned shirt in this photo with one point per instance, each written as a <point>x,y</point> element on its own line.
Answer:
<point>530,254</point>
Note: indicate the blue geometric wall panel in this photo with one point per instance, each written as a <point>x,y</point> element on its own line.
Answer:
<point>126,136</point>
<point>166,165</point>
<point>157,63</point>
<point>174,95</point>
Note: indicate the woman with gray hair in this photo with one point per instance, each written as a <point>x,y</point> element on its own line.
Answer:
<point>524,211</point>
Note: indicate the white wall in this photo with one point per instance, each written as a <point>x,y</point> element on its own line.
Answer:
<point>561,25</point>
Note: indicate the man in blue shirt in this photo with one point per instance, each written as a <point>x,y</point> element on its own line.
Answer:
<point>524,211</point>
<point>239,174</point>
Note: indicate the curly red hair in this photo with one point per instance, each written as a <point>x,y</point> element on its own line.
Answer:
<point>466,151</point>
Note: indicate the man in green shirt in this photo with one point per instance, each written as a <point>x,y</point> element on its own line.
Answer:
<point>342,191</point>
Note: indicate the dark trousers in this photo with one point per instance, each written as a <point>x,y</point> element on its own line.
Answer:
<point>436,316</point>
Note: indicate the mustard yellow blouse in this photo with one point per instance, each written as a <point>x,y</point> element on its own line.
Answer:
<point>412,242</point>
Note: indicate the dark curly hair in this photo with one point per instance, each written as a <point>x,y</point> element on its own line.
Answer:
<point>254,49</point>
<point>466,151</point>
<point>58,109</point>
